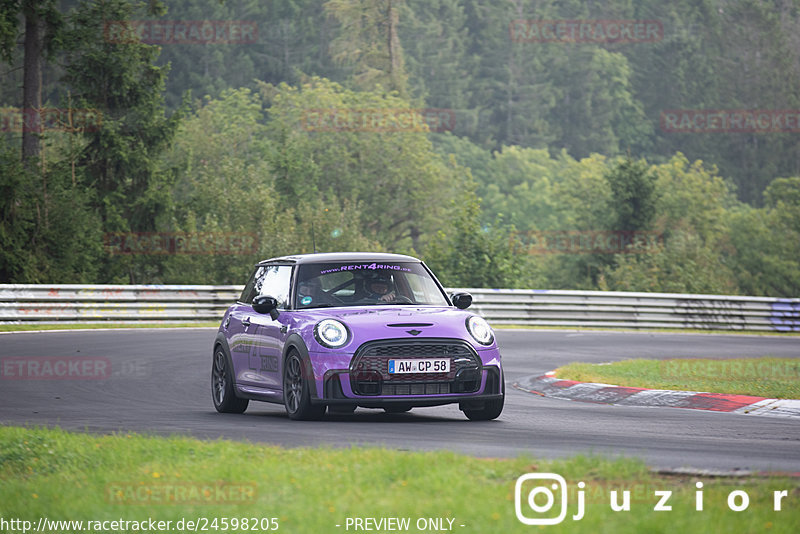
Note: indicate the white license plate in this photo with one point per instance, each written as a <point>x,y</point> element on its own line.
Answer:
<point>427,365</point>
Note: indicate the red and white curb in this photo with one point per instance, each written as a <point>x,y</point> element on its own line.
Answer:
<point>548,385</point>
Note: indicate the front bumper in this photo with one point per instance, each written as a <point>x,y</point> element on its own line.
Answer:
<point>362,379</point>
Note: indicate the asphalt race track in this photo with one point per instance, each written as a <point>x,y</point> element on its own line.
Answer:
<point>160,383</point>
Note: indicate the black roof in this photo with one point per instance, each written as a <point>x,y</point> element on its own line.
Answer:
<point>330,257</point>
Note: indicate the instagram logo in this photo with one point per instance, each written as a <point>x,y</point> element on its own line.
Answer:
<point>541,498</point>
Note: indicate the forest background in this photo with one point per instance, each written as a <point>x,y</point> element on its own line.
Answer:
<point>539,163</point>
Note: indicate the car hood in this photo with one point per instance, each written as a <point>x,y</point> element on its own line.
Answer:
<point>392,322</point>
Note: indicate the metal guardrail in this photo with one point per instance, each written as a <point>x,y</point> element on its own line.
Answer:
<point>103,303</point>
<point>636,310</point>
<point>158,303</point>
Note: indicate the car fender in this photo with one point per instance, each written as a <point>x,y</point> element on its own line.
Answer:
<point>295,341</point>
<point>222,341</point>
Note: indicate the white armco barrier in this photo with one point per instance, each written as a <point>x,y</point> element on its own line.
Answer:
<point>157,303</point>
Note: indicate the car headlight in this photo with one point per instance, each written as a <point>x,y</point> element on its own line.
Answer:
<point>480,330</point>
<point>331,333</point>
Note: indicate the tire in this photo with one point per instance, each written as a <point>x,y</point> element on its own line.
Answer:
<point>222,391</point>
<point>297,390</point>
<point>490,410</point>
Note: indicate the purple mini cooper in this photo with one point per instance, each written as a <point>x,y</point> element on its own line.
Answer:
<point>341,330</point>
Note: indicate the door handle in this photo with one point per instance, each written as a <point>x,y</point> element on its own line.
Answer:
<point>246,322</point>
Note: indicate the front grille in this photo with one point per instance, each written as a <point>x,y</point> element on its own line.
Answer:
<point>369,368</point>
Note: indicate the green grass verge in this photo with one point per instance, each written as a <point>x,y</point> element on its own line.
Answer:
<point>763,377</point>
<point>74,476</point>
<point>100,326</point>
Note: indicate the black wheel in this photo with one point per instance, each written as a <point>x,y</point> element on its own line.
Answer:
<point>396,409</point>
<point>490,410</point>
<point>225,400</point>
<point>297,391</point>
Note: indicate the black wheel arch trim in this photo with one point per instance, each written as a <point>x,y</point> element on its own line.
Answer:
<point>221,341</point>
<point>295,341</point>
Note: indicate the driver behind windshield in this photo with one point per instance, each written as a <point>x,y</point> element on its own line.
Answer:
<point>380,288</point>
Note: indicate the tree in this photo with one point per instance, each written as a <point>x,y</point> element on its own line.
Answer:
<point>368,40</point>
<point>389,172</point>
<point>225,185</point>
<point>470,255</point>
<point>64,245</point>
<point>41,35</point>
<point>633,195</point>
<point>435,41</point>
<point>513,91</point>
<point>120,82</point>
<point>689,215</point>
<point>766,242</point>
<point>597,111</point>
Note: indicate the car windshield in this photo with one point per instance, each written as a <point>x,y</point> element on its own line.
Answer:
<point>365,283</point>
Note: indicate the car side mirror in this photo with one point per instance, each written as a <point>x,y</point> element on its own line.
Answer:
<point>266,304</point>
<point>462,301</point>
